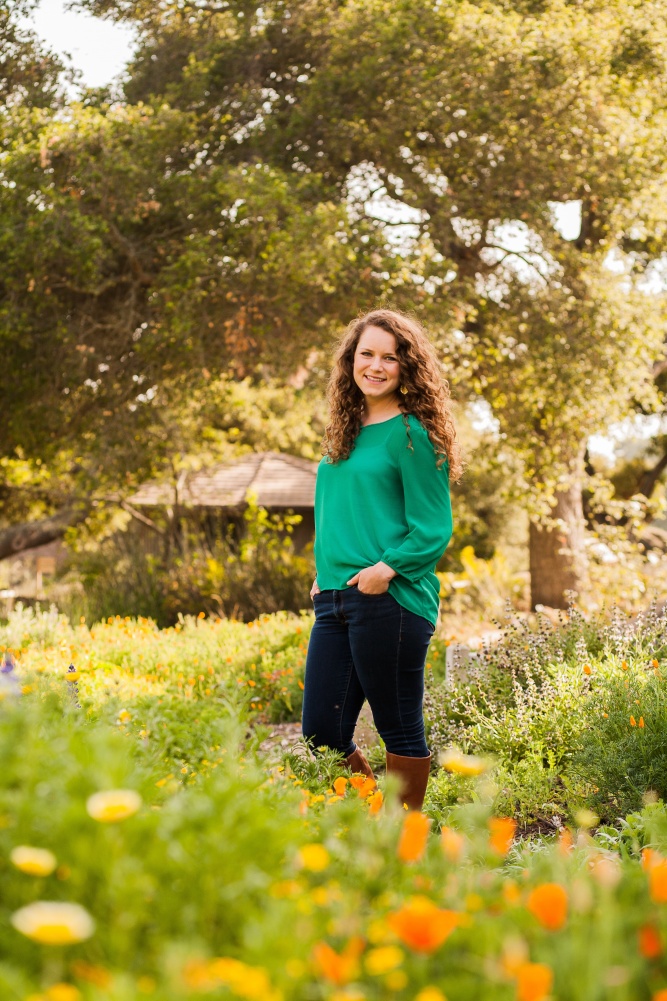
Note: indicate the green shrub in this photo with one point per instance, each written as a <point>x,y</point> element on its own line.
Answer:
<point>239,577</point>
<point>554,706</point>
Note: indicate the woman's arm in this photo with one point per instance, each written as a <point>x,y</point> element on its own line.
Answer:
<point>428,508</point>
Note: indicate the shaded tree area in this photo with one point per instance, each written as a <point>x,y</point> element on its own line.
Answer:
<point>272,170</point>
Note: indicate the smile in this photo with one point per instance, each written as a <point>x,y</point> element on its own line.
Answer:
<point>372,378</point>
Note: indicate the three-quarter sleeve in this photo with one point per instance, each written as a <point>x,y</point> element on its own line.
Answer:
<point>428,508</point>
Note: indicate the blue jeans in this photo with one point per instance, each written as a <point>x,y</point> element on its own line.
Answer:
<point>365,646</point>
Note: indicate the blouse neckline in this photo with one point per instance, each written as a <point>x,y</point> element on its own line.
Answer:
<point>377,424</point>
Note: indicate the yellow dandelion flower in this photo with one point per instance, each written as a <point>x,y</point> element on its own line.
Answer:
<point>33,861</point>
<point>112,805</point>
<point>54,923</point>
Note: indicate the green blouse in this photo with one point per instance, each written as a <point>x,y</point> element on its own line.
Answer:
<point>387,501</point>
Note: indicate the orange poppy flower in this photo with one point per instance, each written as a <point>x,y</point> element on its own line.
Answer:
<point>375,801</point>
<point>650,945</point>
<point>660,995</point>
<point>363,784</point>
<point>650,857</point>
<point>423,926</point>
<point>340,785</point>
<point>338,967</point>
<point>502,831</point>
<point>533,982</point>
<point>548,903</point>
<point>633,721</point>
<point>565,841</point>
<point>657,879</point>
<point>414,835</point>
<point>641,723</point>
<point>587,669</point>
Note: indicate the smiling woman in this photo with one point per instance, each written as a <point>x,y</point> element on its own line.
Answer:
<point>382,521</point>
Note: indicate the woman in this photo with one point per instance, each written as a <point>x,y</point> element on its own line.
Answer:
<point>382,521</point>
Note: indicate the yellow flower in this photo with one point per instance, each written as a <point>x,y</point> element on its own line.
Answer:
<point>244,981</point>
<point>63,992</point>
<point>314,857</point>
<point>455,761</point>
<point>396,980</point>
<point>124,716</point>
<point>54,923</point>
<point>430,994</point>
<point>383,959</point>
<point>112,805</point>
<point>71,675</point>
<point>33,861</point>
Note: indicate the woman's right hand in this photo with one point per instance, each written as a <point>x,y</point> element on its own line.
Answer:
<point>314,589</point>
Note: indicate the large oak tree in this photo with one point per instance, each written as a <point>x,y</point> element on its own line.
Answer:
<point>229,212</point>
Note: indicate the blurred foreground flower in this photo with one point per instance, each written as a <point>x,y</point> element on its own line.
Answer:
<point>430,994</point>
<point>113,805</point>
<point>453,760</point>
<point>422,925</point>
<point>383,959</point>
<point>243,980</point>
<point>650,943</point>
<point>533,982</point>
<point>54,923</point>
<point>338,967</point>
<point>63,992</point>
<point>33,861</point>
<point>657,877</point>
<point>502,831</point>
<point>414,836</point>
<point>548,903</point>
<point>314,857</point>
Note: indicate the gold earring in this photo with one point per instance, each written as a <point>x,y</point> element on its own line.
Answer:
<point>404,390</point>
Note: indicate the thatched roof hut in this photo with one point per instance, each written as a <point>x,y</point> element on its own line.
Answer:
<point>278,482</point>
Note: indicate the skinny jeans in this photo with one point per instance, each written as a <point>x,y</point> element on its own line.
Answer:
<point>365,646</point>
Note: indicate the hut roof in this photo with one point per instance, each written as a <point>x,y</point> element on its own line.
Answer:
<point>276,480</point>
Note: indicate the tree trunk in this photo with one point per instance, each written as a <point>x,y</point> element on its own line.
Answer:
<point>557,556</point>
<point>38,533</point>
<point>650,477</point>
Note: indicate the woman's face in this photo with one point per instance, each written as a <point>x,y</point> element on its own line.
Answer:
<point>377,371</point>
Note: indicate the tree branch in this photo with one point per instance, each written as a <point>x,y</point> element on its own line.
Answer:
<point>649,478</point>
<point>38,533</point>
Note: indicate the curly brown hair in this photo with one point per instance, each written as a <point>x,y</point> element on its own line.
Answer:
<point>427,397</point>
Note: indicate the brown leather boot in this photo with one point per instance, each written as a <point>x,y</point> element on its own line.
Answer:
<point>412,774</point>
<point>356,762</point>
